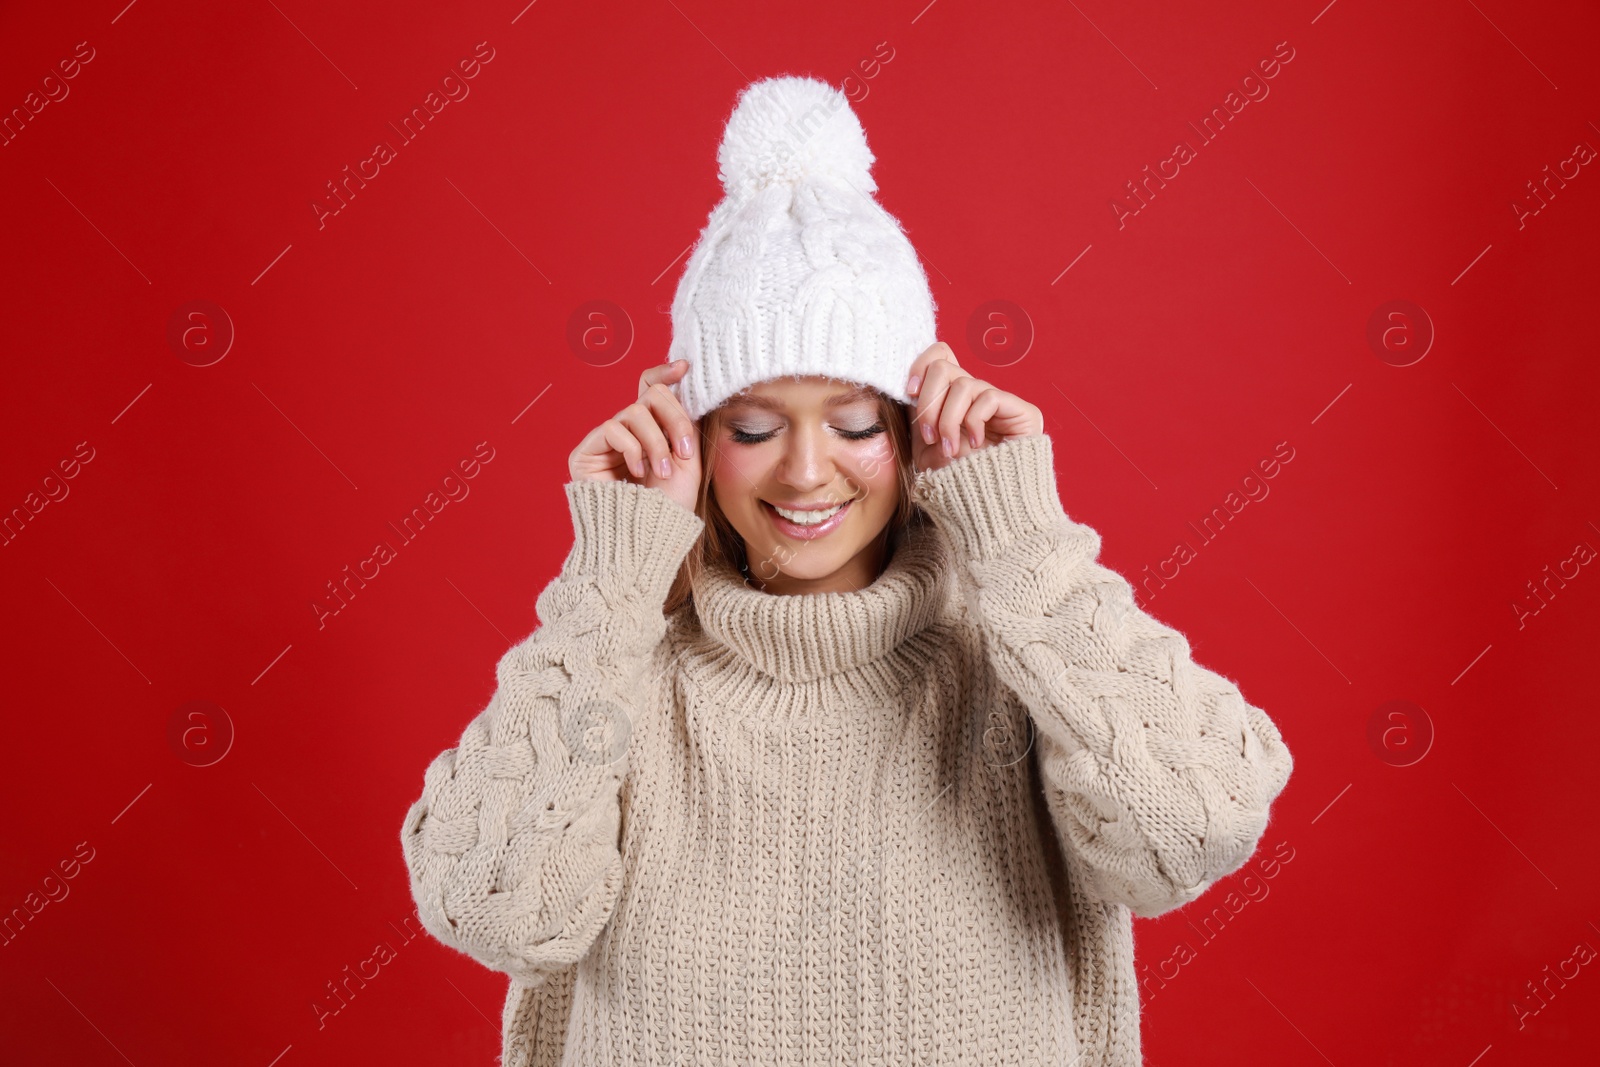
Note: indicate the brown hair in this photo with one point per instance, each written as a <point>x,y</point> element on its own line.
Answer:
<point>720,545</point>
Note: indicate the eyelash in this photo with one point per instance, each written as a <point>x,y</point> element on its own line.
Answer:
<point>740,437</point>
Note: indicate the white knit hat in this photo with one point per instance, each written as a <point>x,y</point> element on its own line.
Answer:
<point>798,270</point>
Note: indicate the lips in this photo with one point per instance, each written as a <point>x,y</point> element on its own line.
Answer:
<point>807,533</point>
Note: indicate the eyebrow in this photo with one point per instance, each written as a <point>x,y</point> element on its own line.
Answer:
<point>836,400</point>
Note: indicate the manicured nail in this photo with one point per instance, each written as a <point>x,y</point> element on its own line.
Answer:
<point>914,384</point>
<point>973,437</point>
<point>927,432</point>
<point>636,466</point>
<point>685,449</point>
<point>666,467</point>
<point>949,449</point>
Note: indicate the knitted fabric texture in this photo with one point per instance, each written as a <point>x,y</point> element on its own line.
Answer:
<point>799,270</point>
<point>906,824</point>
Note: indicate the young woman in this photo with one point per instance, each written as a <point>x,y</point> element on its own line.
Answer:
<point>836,743</point>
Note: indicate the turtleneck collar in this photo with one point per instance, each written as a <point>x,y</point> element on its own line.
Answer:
<point>803,637</point>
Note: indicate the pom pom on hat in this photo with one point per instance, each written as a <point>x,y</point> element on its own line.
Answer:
<point>789,129</point>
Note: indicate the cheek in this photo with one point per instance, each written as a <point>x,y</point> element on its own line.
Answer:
<point>872,466</point>
<point>734,475</point>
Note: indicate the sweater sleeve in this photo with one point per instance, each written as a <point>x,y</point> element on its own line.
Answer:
<point>1157,773</point>
<point>513,848</point>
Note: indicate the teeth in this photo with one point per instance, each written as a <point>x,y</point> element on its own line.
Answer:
<point>807,518</point>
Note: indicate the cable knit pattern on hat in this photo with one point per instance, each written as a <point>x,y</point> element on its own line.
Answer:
<point>902,825</point>
<point>798,270</point>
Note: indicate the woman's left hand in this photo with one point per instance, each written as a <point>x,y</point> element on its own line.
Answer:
<point>958,412</point>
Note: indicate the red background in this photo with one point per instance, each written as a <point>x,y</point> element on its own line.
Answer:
<point>374,353</point>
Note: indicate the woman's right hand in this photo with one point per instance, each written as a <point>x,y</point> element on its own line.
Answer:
<point>633,445</point>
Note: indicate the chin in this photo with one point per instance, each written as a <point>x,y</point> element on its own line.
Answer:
<point>804,560</point>
<point>810,566</point>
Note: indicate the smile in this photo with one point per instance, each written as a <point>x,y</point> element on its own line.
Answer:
<point>807,525</point>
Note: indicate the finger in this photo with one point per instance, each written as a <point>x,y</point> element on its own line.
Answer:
<point>930,398</point>
<point>638,418</point>
<point>622,441</point>
<point>956,402</point>
<point>982,409</point>
<point>593,456</point>
<point>661,372</point>
<point>673,419</point>
<point>917,377</point>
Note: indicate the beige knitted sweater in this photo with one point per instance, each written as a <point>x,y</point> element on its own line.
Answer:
<point>902,825</point>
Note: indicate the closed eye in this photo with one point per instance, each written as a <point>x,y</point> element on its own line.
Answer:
<point>861,435</point>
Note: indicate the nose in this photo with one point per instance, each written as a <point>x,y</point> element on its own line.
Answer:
<point>807,464</point>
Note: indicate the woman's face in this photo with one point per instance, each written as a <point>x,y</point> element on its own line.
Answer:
<point>808,445</point>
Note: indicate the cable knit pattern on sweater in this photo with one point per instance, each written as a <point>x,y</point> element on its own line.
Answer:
<point>902,825</point>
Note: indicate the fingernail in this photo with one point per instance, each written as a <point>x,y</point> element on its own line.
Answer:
<point>927,432</point>
<point>949,449</point>
<point>636,467</point>
<point>973,437</point>
<point>685,448</point>
<point>666,467</point>
<point>911,386</point>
